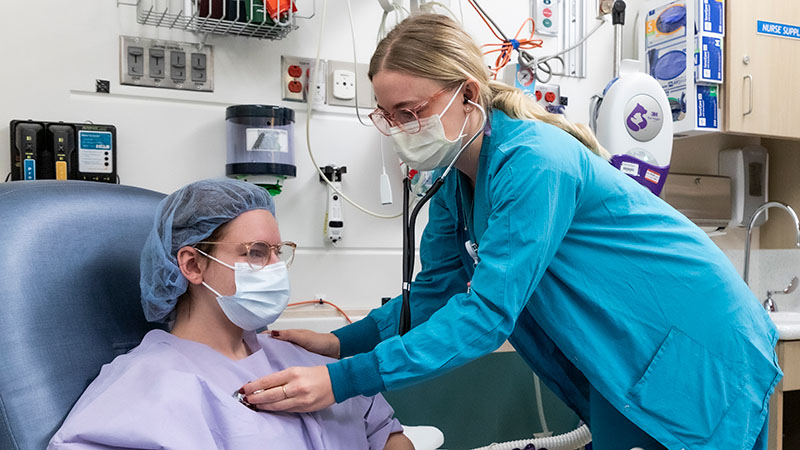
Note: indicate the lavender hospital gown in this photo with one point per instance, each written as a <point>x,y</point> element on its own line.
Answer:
<point>172,393</point>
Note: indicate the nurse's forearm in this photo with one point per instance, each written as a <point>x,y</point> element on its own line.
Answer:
<point>358,337</point>
<point>354,376</point>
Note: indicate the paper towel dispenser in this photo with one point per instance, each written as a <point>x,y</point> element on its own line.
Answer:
<point>704,199</point>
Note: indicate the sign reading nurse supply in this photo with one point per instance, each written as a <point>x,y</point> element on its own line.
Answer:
<point>778,29</point>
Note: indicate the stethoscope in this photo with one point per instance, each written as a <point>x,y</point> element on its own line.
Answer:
<point>409,222</point>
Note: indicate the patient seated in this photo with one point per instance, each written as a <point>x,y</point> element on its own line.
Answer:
<point>214,268</point>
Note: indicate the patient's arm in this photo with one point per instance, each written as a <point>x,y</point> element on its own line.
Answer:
<point>398,441</point>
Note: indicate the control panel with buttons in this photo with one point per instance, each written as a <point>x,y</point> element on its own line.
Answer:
<point>546,17</point>
<point>166,64</point>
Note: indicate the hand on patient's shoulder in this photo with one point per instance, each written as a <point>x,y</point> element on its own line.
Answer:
<point>325,344</point>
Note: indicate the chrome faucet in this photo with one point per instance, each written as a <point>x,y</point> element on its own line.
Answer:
<point>769,303</point>
<point>752,222</point>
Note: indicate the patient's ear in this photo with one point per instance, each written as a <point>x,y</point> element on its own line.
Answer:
<point>189,261</point>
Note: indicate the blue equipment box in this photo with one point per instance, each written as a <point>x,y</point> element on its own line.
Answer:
<point>711,17</point>
<point>708,59</point>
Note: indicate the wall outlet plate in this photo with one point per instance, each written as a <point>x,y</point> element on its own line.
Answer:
<point>297,76</point>
<point>366,98</point>
<point>166,64</point>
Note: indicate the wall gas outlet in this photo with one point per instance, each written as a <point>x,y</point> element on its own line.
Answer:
<point>345,95</point>
<point>603,7</point>
<point>166,64</point>
<point>344,84</point>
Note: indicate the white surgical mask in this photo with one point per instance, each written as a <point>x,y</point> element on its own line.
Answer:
<point>260,297</point>
<point>429,148</point>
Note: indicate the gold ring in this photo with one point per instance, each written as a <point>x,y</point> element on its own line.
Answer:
<point>283,386</point>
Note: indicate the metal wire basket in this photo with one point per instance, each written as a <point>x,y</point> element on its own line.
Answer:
<point>248,18</point>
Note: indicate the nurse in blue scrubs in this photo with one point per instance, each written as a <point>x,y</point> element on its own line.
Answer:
<point>623,307</point>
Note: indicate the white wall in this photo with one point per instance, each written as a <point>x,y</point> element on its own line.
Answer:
<point>168,138</point>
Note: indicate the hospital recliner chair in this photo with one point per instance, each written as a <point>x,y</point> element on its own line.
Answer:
<point>69,296</point>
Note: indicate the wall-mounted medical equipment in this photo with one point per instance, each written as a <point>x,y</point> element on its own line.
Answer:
<point>334,218</point>
<point>632,120</point>
<point>63,151</point>
<point>260,145</point>
<point>704,199</point>
<point>166,64</point>
<point>546,16</point>
<point>747,168</point>
<point>682,49</point>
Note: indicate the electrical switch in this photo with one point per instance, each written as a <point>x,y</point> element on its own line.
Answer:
<point>163,64</point>
<point>198,67</point>
<point>177,62</point>
<point>157,63</point>
<point>135,61</point>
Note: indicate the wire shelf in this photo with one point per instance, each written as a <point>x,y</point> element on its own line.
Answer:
<point>247,18</point>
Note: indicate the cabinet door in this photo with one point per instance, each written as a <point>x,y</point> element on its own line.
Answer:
<point>763,72</point>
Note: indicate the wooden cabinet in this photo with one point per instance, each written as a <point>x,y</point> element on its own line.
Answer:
<point>782,428</point>
<point>762,77</point>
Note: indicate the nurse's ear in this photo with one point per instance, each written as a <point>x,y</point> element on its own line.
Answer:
<point>192,264</point>
<point>471,94</point>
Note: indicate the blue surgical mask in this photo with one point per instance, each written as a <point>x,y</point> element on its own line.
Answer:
<point>261,295</point>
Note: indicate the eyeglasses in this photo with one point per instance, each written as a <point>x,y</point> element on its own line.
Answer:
<point>407,119</point>
<point>259,253</point>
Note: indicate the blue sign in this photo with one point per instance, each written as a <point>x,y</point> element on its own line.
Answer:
<point>94,140</point>
<point>778,29</point>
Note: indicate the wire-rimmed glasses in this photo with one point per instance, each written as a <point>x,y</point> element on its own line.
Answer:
<point>407,119</point>
<point>259,253</point>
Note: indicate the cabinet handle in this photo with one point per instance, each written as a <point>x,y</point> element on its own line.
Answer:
<point>749,110</point>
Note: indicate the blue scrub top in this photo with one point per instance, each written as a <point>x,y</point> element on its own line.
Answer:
<point>594,281</point>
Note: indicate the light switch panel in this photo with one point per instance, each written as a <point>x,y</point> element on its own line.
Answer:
<point>166,64</point>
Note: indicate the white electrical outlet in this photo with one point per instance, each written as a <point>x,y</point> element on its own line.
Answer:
<point>344,84</point>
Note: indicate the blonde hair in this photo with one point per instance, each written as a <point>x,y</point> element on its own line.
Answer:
<point>435,47</point>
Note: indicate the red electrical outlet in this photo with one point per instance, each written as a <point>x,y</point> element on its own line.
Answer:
<point>548,94</point>
<point>295,71</point>
<point>295,87</point>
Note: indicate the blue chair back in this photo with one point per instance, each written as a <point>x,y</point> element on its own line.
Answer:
<point>69,295</point>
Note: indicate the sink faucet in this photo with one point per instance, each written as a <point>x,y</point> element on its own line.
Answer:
<point>753,219</point>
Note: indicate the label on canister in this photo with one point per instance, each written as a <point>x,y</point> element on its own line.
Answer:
<point>267,140</point>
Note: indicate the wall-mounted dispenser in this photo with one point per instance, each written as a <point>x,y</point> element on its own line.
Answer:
<point>748,168</point>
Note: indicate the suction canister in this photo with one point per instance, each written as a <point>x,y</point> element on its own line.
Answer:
<point>260,141</point>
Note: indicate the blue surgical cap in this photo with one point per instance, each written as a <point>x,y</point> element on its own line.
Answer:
<point>186,217</point>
